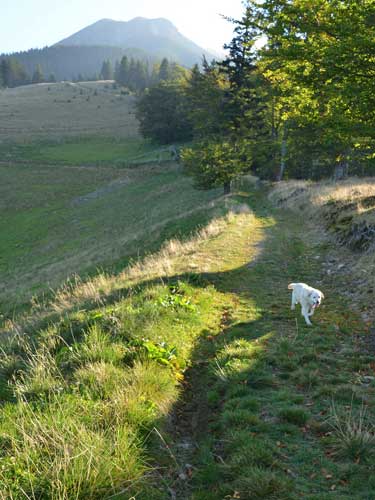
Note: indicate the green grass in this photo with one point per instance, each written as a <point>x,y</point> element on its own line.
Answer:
<point>88,391</point>
<point>198,342</point>
<point>60,221</point>
<point>85,151</point>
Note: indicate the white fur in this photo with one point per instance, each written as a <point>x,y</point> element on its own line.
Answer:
<point>309,298</point>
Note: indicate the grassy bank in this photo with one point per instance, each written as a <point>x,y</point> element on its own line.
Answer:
<point>85,394</point>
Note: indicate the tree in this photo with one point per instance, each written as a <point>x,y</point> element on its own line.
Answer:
<point>13,73</point>
<point>217,163</point>
<point>205,92</point>
<point>164,70</point>
<point>328,94</point>
<point>140,76</point>
<point>228,105</point>
<point>122,75</point>
<point>245,102</point>
<point>106,72</point>
<point>38,76</point>
<point>162,112</point>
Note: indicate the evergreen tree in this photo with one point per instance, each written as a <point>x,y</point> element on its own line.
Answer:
<point>106,72</point>
<point>141,76</point>
<point>38,76</point>
<point>245,100</point>
<point>132,75</point>
<point>123,72</point>
<point>117,71</point>
<point>206,97</point>
<point>13,73</point>
<point>164,70</point>
<point>162,112</point>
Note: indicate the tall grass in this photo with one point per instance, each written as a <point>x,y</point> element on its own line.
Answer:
<point>85,390</point>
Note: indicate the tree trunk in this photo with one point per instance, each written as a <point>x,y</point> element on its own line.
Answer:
<point>282,156</point>
<point>227,187</point>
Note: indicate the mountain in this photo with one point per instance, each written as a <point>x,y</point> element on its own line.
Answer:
<point>157,37</point>
<point>83,53</point>
<point>68,62</point>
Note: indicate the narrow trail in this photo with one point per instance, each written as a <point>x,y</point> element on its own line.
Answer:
<point>255,419</point>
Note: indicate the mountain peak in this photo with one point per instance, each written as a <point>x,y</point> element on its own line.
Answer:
<point>158,37</point>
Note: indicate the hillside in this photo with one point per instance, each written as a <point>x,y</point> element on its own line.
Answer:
<point>187,375</point>
<point>70,62</point>
<point>60,220</point>
<point>60,110</point>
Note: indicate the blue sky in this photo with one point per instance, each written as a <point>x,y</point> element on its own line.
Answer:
<point>28,24</point>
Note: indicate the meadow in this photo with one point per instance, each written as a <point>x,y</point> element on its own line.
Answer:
<point>57,111</point>
<point>148,348</point>
<point>61,221</point>
<point>74,199</point>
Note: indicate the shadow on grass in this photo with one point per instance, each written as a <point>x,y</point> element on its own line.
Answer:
<point>231,379</point>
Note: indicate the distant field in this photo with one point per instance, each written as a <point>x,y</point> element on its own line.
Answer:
<point>84,151</point>
<point>64,220</point>
<point>62,110</point>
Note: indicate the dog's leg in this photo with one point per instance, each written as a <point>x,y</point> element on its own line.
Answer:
<point>305,314</point>
<point>294,302</point>
<point>311,312</point>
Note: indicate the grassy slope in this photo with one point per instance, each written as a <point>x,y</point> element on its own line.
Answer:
<point>260,382</point>
<point>62,110</point>
<point>59,221</point>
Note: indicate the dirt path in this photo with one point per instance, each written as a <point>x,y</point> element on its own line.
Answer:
<point>270,407</point>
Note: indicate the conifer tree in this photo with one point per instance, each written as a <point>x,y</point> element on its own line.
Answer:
<point>38,76</point>
<point>123,72</point>
<point>106,72</point>
<point>164,70</point>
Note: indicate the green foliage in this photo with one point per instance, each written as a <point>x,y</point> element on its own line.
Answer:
<point>325,94</point>
<point>162,112</point>
<point>38,76</point>
<point>12,73</point>
<point>106,72</point>
<point>205,92</point>
<point>216,164</point>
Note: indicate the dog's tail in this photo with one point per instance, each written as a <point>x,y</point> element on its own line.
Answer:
<point>291,286</point>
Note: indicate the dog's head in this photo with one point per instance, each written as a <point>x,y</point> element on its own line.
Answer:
<point>316,297</point>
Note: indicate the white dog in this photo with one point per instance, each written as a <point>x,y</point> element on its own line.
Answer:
<point>309,298</point>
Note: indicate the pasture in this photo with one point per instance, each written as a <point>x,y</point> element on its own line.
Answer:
<point>80,189</point>
<point>59,221</point>
<point>54,111</point>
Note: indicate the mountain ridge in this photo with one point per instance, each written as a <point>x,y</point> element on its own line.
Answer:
<point>83,52</point>
<point>159,37</point>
